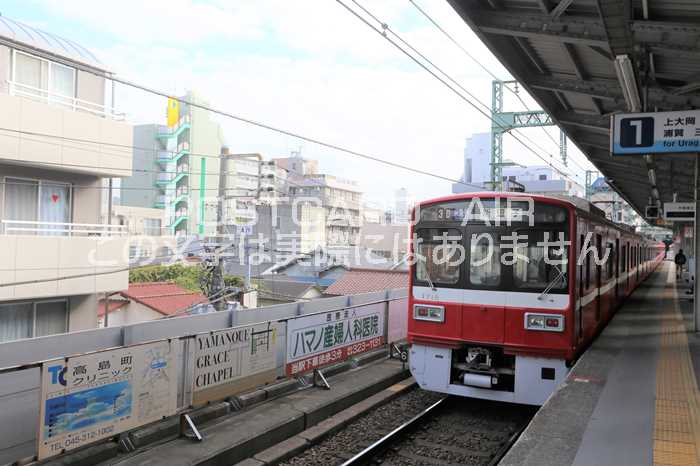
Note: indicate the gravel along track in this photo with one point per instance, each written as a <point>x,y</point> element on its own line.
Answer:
<point>365,430</point>
<point>462,431</point>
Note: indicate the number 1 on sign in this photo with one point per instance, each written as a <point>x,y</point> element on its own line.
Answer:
<point>637,131</point>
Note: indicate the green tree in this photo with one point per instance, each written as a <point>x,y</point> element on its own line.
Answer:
<point>186,277</point>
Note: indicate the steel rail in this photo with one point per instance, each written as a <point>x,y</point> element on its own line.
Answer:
<point>379,447</point>
<point>508,445</point>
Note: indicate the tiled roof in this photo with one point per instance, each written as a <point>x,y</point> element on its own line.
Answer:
<point>114,304</point>
<point>164,297</point>
<point>364,281</point>
<point>285,287</point>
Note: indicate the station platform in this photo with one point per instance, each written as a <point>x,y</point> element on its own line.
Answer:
<point>632,398</point>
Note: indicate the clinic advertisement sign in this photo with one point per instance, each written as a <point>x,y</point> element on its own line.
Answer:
<point>230,361</point>
<point>98,395</point>
<point>320,339</point>
<point>655,133</point>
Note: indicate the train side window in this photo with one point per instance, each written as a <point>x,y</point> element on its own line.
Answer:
<point>485,261</point>
<point>609,262</point>
<point>623,258</point>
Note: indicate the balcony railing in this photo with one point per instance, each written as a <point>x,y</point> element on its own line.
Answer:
<point>166,132</point>
<point>27,227</point>
<point>54,98</point>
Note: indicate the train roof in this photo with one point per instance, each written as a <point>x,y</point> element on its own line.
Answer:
<point>574,201</point>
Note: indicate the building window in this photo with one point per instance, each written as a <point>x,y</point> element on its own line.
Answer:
<point>42,79</point>
<point>152,226</point>
<point>37,206</point>
<point>543,177</point>
<point>511,178</point>
<point>33,319</point>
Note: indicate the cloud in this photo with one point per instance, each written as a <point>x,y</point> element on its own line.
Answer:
<point>312,68</point>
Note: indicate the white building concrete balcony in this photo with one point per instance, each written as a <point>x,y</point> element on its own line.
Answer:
<point>50,259</point>
<point>41,129</point>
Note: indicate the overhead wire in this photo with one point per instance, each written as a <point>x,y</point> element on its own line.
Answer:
<point>382,33</point>
<point>266,126</point>
<point>83,275</point>
<point>483,67</point>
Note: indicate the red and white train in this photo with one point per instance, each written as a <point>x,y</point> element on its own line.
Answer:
<point>507,290</point>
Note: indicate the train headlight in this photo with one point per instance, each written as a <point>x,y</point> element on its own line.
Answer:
<point>544,322</point>
<point>429,313</point>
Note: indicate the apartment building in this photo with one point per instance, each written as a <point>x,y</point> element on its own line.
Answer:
<point>341,199</point>
<point>59,139</point>
<point>181,162</point>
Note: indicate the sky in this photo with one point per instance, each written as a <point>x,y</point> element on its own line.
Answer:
<point>307,66</point>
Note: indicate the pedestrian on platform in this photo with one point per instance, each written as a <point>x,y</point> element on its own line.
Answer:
<point>680,261</point>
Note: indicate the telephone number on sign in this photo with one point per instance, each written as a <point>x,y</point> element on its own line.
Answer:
<point>364,346</point>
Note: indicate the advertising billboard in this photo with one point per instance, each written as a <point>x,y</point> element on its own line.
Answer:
<point>317,340</point>
<point>230,361</point>
<point>98,395</point>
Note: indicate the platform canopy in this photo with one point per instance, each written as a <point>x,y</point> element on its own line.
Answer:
<point>584,60</point>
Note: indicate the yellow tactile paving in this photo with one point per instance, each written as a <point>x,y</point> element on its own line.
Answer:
<point>677,419</point>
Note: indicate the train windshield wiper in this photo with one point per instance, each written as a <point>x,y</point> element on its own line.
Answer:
<point>551,284</point>
<point>427,273</point>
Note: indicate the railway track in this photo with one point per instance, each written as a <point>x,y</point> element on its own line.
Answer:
<point>452,431</point>
<point>423,428</point>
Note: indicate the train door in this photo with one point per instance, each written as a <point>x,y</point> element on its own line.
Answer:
<point>638,260</point>
<point>598,272</point>
<point>580,263</point>
<point>617,270</point>
<point>628,261</point>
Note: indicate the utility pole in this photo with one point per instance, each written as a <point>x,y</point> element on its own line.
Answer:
<point>217,285</point>
<point>504,122</point>
<point>107,231</point>
<point>214,285</point>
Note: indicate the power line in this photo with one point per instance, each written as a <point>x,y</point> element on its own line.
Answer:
<point>83,275</point>
<point>382,33</point>
<point>483,67</point>
<point>478,63</point>
<point>269,127</point>
<point>143,170</point>
<point>385,28</point>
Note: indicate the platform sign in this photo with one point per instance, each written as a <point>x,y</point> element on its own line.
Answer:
<point>654,133</point>
<point>90,397</point>
<point>230,361</point>
<point>679,211</point>
<point>325,338</point>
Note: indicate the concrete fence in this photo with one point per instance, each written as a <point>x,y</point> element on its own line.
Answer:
<point>20,378</point>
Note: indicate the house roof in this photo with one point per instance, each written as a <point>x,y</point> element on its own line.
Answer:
<point>351,257</point>
<point>166,298</point>
<point>284,287</point>
<point>365,281</point>
<point>114,304</point>
<point>41,40</point>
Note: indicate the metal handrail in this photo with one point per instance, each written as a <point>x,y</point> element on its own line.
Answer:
<point>25,90</point>
<point>31,226</point>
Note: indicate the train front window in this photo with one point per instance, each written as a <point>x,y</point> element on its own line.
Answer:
<point>485,261</point>
<point>539,262</point>
<point>439,254</point>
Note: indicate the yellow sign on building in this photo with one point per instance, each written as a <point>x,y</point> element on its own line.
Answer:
<point>173,112</point>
